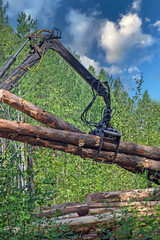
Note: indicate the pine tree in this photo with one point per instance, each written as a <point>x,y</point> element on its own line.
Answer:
<point>3,16</point>
<point>25,25</point>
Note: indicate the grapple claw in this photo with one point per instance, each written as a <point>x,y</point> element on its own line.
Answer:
<point>112,133</point>
<point>109,132</point>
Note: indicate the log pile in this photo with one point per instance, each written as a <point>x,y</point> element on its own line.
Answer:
<point>62,136</point>
<point>100,209</point>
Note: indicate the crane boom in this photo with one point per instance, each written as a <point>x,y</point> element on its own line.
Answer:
<point>51,41</point>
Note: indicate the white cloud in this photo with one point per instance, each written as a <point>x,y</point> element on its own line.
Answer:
<point>136,5</point>
<point>133,69</point>
<point>114,70</point>
<point>156,24</point>
<point>42,10</point>
<point>82,29</point>
<point>147,19</point>
<point>118,39</point>
<point>90,62</point>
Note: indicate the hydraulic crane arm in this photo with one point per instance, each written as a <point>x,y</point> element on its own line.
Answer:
<point>38,50</point>
<point>32,58</point>
<point>82,71</point>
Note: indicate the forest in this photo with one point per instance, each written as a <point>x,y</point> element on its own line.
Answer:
<point>32,176</point>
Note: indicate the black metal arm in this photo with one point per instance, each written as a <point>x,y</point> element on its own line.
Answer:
<point>96,84</point>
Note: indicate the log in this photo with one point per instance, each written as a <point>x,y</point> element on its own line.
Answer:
<point>104,215</point>
<point>131,163</point>
<point>111,210</point>
<point>95,220</point>
<point>63,136</point>
<point>61,209</point>
<point>140,150</point>
<point>35,112</point>
<point>141,207</point>
<point>153,194</point>
<point>115,205</point>
<point>81,140</point>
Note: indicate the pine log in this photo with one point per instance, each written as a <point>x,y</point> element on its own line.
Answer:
<point>19,128</point>
<point>61,209</point>
<point>133,203</point>
<point>143,206</point>
<point>81,140</point>
<point>91,221</point>
<point>35,112</point>
<point>140,150</point>
<point>131,163</point>
<point>153,194</point>
<point>143,201</point>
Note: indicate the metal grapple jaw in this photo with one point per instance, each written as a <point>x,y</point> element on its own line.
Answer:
<point>110,132</point>
<point>107,132</point>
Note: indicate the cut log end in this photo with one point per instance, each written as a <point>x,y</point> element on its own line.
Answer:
<point>1,94</point>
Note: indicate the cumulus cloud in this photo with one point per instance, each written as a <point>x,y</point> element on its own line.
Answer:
<point>114,70</point>
<point>133,69</point>
<point>82,29</point>
<point>136,5</point>
<point>117,39</point>
<point>147,19</point>
<point>42,10</point>
<point>156,25</point>
<point>86,61</point>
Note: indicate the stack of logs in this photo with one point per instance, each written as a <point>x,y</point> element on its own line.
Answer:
<point>100,210</point>
<point>62,136</point>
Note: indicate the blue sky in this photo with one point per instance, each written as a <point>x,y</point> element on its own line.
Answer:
<point>120,36</point>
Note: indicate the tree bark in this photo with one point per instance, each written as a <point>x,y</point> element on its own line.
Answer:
<point>35,112</point>
<point>132,163</point>
<point>142,206</point>
<point>153,194</point>
<point>80,209</point>
<point>81,140</point>
<point>62,209</point>
<point>90,221</point>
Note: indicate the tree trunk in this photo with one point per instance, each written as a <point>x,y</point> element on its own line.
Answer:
<point>144,202</point>
<point>35,112</point>
<point>152,194</point>
<point>62,209</point>
<point>14,131</point>
<point>81,140</point>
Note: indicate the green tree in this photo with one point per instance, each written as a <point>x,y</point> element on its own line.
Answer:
<point>25,25</point>
<point>3,16</point>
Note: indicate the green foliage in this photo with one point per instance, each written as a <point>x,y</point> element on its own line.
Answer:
<point>3,16</point>
<point>25,25</point>
<point>134,225</point>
